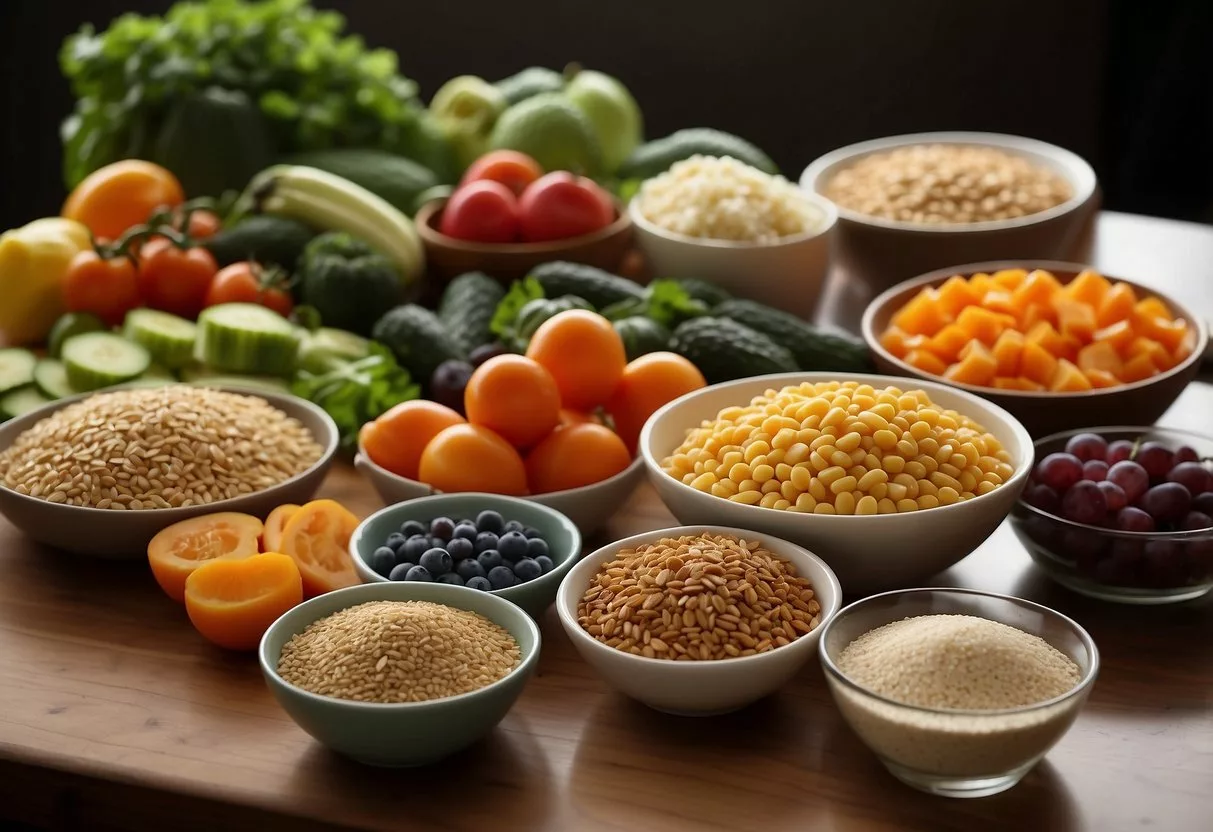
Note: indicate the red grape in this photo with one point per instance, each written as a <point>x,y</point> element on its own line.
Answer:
<point>1155,458</point>
<point>1087,446</point>
<point>1043,498</point>
<point>1166,502</point>
<point>1203,503</point>
<point>1095,470</point>
<point>1191,475</point>
<point>1059,471</point>
<point>1084,503</point>
<point>1185,454</point>
<point>1195,520</point>
<point>1113,495</point>
<point>1120,568</point>
<point>1200,558</point>
<point>1131,477</point>
<point>1164,565</point>
<point>1132,519</point>
<point>1119,451</point>
<point>1080,543</point>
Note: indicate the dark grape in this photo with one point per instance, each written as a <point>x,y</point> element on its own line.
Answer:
<point>1200,558</point>
<point>1043,498</point>
<point>1167,502</point>
<point>1156,458</point>
<point>1122,564</point>
<point>1163,565</point>
<point>1133,519</point>
<point>1195,520</point>
<point>1080,543</point>
<point>448,382</point>
<point>486,351</point>
<point>1191,475</point>
<point>1119,451</point>
<point>1084,503</point>
<point>1087,446</point>
<point>1131,477</point>
<point>1185,454</point>
<point>1041,529</point>
<point>1203,503</point>
<point>1113,495</point>
<point>1095,470</point>
<point>1059,471</point>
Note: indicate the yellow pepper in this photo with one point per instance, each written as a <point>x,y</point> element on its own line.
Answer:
<point>33,262</point>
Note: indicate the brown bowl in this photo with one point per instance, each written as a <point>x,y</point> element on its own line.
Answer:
<point>1139,403</point>
<point>447,257</point>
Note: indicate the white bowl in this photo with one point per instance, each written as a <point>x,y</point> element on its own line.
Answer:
<point>787,275</point>
<point>869,553</point>
<point>699,688</point>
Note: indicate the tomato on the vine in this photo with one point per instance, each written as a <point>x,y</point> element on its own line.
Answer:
<point>175,279</point>
<point>108,288</point>
<point>247,282</point>
<point>202,224</point>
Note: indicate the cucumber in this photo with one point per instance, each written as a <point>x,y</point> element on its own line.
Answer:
<point>19,402</point>
<point>270,240</point>
<point>246,338</point>
<point>168,338</point>
<point>69,324</point>
<point>210,378</point>
<point>16,369</point>
<point>99,359</point>
<point>467,309</point>
<point>600,288</point>
<point>657,156</point>
<point>814,349</point>
<point>50,377</point>
<point>158,372</point>
<point>327,348</point>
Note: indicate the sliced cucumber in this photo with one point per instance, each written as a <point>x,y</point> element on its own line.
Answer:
<point>16,369</point>
<point>327,348</point>
<point>69,324</point>
<point>158,372</point>
<point>50,377</point>
<point>260,384</point>
<point>168,338</point>
<point>19,402</point>
<point>100,359</point>
<point>246,338</point>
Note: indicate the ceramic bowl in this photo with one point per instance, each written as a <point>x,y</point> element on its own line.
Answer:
<point>589,507</point>
<point>697,688</point>
<point>125,534</point>
<point>883,252</point>
<point>410,733</point>
<point>868,553</point>
<point>563,539</point>
<point>787,275</point>
<point>1139,403</point>
<point>956,753</point>
<point>447,257</point>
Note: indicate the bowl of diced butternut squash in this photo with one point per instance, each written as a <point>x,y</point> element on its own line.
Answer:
<point>1059,345</point>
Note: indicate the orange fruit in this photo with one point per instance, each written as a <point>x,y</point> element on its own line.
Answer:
<point>515,398</point>
<point>271,535</point>
<point>396,439</point>
<point>584,354</point>
<point>233,602</point>
<point>113,198</point>
<point>176,551</point>
<point>650,382</point>
<point>576,455</point>
<point>317,538</point>
<point>473,458</point>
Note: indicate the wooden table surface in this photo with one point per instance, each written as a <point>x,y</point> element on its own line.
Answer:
<point>115,715</point>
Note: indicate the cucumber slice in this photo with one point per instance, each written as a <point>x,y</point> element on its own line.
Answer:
<point>327,348</point>
<point>246,338</point>
<point>168,338</point>
<point>259,384</point>
<point>19,402</point>
<point>16,369</point>
<point>69,324</point>
<point>50,377</point>
<point>100,359</point>
<point>158,372</point>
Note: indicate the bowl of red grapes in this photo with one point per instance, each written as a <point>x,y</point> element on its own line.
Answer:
<point>1122,513</point>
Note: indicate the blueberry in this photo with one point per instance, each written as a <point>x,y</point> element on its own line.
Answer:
<point>394,541</point>
<point>470,568</point>
<point>531,532</point>
<point>545,563</point>
<point>435,542</point>
<point>382,560</point>
<point>514,526</point>
<point>436,561</point>
<point>417,573</point>
<point>467,529</point>
<point>490,521</point>
<point>410,528</point>
<point>485,541</point>
<point>442,527</point>
<point>489,559</point>
<point>449,578</point>
<point>527,570</point>
<point>400,572</point>
<point>480,583</point>
<point>413,549</point>
<point>501,577</point>
<point>537,546</point>
<point>460,548</point>
<point>513,545</point>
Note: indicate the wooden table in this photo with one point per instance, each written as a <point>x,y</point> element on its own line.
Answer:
<point>114,714</point>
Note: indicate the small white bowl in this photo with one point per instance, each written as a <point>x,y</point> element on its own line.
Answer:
<point>699,688</point>
<point>869,553</point>
<point>787,275</point>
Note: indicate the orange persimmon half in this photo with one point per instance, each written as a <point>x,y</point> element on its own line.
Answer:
<point>181,548</point>
<point>317,538</point>
<point>271,538</point>
<point>233,602</point>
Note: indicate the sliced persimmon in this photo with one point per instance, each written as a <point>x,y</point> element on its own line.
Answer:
<point>271,538</point>
<point>317,538</point>
<point>233,602</point>
<point>181,548</point>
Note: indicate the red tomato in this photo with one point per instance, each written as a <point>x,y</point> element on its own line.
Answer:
<point>483,212</point>
<point>106,288</point>
<point>174,279</point>
<point>560,205</point>
<point>246,282</point>
<point>509,167</point>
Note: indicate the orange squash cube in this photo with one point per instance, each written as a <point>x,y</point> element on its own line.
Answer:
<point>922,315</point>
<point>1037,363</point>
<point>1100,355</point>
<point>1068,379</point>
<point>1139,367</point>
<point>948,342</point>
<point>1010,278</point>
<point>1152,307</point>
<point>1058,345</point>
<point>981,283</point>
<point>1119,335</point>
<point>1016,383</point>
<point>893,339</point>
<point>1166,332</point>
<point>1034,314</point>
<point>1007,351</point>
<point>1089,287</point>
<point>983,324</point>
<point>1117,305</point>
<point>1101,379</point>
<point>1000,300</point>
<point>977,366</point>
<point>1075,319</point>
<point>926,361</point>
<point>1151,349</point>
<point>1038,287</point>
<point>955,294</point>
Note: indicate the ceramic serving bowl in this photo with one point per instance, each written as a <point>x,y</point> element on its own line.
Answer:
<point>956,753</point>
<point>868,553</point>
<point>589,507</point>
<point>787,275</point>
<point>447,257</point>
<point>125,534</point>
<point>563,539</point>
<point>1141,402</point>
<point>697,688</point>
<point>882,252</point>
<point>410,733</point>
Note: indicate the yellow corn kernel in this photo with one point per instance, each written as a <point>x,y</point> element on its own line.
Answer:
<point>739,472</point>
<point>849,442</point>
<point>828,476</point>
<point>907,505</point>
<point>771,486</point>
<point>942,480</point>
<point>844,503</point>
<point>916,469</point>
<point>783,472</point>
<point>822,441</point>
<point>789,491</point>
<point>893,464</point>
<point>920,430</point>
<point>762,473</point>
<point>880,490</point>
<point>867,505</point>
<point>886,506</point>
<point>871,478</point>
<point>724,488</point>
<point>948,495</point>
<point>704,482</point>
<point>818,489</point>
<point>749,498</point>
<point>756,448</point>
<point>747,485</point>
<point>928,501</point>
<point>823,508</point>
<point>907,447</point>
<point>927,488</point>
<point>782,505</point>
<point>885,439</point>
<point>985,487</point>
<point>842,484</point>
<point>769,500</point>
<point>801,476</point>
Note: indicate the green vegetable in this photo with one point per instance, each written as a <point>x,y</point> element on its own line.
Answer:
<point>417,338</point>
<point>168,338</point>
<point>524,309</point>
<point>16,368</point>
<point>642,335</point>
<point>664,301</point>
<point>425,142</point>
<point>521,293</point>
<point>398,180</point>
<point>206,377</point>
<point>813,348</point>
<point>244,338</point>
<point>325,349</point>
<point>270,240</point>
<point>358,392</point>
<point>347,282</point>
<point>702,290</point>
<point>50,377</point>
<point>315,87</point>
<point>69,324</point>
<point>535,313</point>
<point>468,306</point>
<point>724,350</point>
<point>530,82</point>
<point>19,402</point>
<point>600,288</point>
<point>99,359</point>
<point>657,156</point>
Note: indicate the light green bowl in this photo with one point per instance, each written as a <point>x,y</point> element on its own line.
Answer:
<point>561,534</point>
<point>411,733</point>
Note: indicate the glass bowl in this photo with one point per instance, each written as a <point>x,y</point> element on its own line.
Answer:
<point>957,753</point>
<point>1112,565</point>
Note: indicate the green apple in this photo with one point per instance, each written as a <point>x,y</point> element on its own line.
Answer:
<point>611,110</point>
<point>466,108</point>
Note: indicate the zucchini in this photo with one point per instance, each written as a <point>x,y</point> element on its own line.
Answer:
<point>417,338</point>
<point>69,324</point>
<point>270,240</point>
<point>19,402</point>
<point>814,349</point>
<point>467,309</point>
<point>246,338</point>
<point>16,369</point>
<point>725,350</point>
<point>50,377</point>
<point>168,338</point>
<point>599,288</point>
<point>100,359</point>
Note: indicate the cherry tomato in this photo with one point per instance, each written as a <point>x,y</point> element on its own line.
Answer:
<point>509,167</point>
<point>106,288</point>
<point>650,382</point>
<point>472,458</point>
<point>174,279</point>
<point>574,456</point>
<point>203,224</point>
<point>584,354</point>
<point>482,212</point>
<point>247,282</point>
<point>113,198</point>
<point>515,397</point>
<point>560,205</point>
<point>396,439</point>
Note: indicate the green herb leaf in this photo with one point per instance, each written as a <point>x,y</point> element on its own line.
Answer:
<point>520,294</point>
<point>664,301</point>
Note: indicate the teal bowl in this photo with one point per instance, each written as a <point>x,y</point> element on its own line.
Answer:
<point>409,733</point>
<point>561,534</point>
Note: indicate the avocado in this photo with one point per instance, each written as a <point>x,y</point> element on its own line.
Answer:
<point>397,179</point>
<point>467,308</point>
<point>600,288</point>
<point>725,350</point>
<point>813,348</point>
<point>655,157</point>
<point>529,83</point>
<point>417,338</point>
<point>270,240</point>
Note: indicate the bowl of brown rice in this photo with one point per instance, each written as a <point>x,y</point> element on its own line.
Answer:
<point>400,674</point>
<point>100,474</point>
<point>958,692</point>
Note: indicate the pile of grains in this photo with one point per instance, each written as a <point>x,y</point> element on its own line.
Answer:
<point>398,651</point>
<point>168,447</point>
<point>723,199</point>
<point>698,598</point>
<point>936,184</point>
<point>841,448</point>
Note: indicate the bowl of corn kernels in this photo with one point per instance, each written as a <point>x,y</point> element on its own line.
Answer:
<point>910,204</point>
<point>889,480</point>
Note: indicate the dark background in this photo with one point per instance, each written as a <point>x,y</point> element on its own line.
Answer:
<point>1128,85</point>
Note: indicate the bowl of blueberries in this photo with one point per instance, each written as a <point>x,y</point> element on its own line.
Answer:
<point>513,548</point>
<point>1122,513</point>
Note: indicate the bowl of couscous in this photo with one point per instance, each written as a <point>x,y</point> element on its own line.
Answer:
<point>910,204</point>
<point>756,235</point>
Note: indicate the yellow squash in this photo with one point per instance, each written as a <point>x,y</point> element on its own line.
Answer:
<point>33,262</point>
